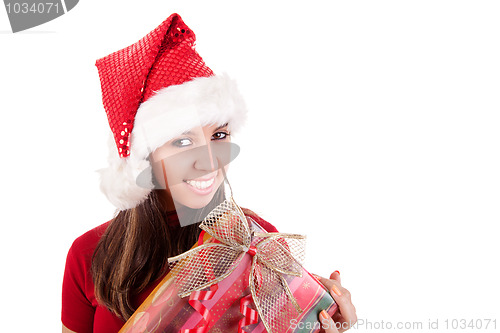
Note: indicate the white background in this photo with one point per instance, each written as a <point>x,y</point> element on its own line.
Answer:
<point>373,129</point>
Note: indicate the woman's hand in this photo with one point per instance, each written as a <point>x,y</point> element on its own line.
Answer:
<point>345,316</point>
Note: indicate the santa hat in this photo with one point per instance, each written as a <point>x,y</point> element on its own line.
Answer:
<point>152,91</point>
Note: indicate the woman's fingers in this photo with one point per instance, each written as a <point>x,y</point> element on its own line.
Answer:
<point>327,323</point>
<point>342,297</point>
<point>335,276</point>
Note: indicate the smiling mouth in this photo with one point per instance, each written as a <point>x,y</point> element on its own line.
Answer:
<point>201,184</point>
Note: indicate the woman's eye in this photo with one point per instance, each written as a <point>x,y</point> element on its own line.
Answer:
<point>182,142</point>
<point>220,136</point>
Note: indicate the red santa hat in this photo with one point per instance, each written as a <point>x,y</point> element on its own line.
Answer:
<point>152,91</point>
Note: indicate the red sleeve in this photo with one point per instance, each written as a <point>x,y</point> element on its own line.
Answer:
<point>77,310</point>
<point>78,299</point>
<point>264,224</point>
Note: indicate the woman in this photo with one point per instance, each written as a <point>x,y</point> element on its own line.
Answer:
<point>171,120</point>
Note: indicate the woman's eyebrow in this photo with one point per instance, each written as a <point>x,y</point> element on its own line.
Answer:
<point>221,126</point>
<point>218,128</point>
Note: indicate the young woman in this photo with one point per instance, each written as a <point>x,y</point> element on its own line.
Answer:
<point>171,120</point>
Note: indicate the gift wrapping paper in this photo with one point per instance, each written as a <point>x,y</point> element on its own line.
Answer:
<point>165,312</point>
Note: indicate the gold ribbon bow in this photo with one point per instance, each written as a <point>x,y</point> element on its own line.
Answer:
<point>274,255</point>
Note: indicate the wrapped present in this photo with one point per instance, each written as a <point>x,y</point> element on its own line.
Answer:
<point>239,278</point>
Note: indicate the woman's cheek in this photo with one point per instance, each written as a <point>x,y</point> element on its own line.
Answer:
<point>158,174</point>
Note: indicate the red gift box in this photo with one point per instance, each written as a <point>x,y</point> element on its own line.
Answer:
<point>241,279</point>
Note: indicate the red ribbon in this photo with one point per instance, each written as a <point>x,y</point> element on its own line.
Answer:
<point>200,238</point>
<point>250,315</point>
<point>195,301</point>
<point>197,296</point>
<point>252,250</point>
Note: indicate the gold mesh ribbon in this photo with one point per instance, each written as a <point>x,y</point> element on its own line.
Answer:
<point>274,256</point>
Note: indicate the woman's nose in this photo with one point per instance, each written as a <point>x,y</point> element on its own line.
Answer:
<point>206,159</point>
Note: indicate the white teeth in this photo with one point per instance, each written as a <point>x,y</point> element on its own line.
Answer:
<point>201,185</point>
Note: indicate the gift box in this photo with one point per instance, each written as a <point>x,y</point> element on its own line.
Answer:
<point>237,278</point>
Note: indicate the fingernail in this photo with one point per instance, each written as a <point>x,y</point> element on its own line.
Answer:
<point>324,314</point>
<point>336,290</point>
<point>337,272</point>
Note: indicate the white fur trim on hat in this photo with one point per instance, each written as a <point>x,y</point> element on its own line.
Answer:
<point>165,115</point>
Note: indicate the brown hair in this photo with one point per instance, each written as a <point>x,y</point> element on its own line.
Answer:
<point>134,249</point>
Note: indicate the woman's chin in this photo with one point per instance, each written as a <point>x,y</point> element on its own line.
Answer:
<point>198,205</point>
<point>196,202</point>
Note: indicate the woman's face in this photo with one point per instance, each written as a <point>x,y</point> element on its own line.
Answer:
<point>188,166</point>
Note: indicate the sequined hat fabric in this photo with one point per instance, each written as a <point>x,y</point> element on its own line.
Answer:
<point>164,57</point>
<point>152,91</point>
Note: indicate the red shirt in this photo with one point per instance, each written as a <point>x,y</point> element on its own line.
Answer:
<point>80,311</point>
